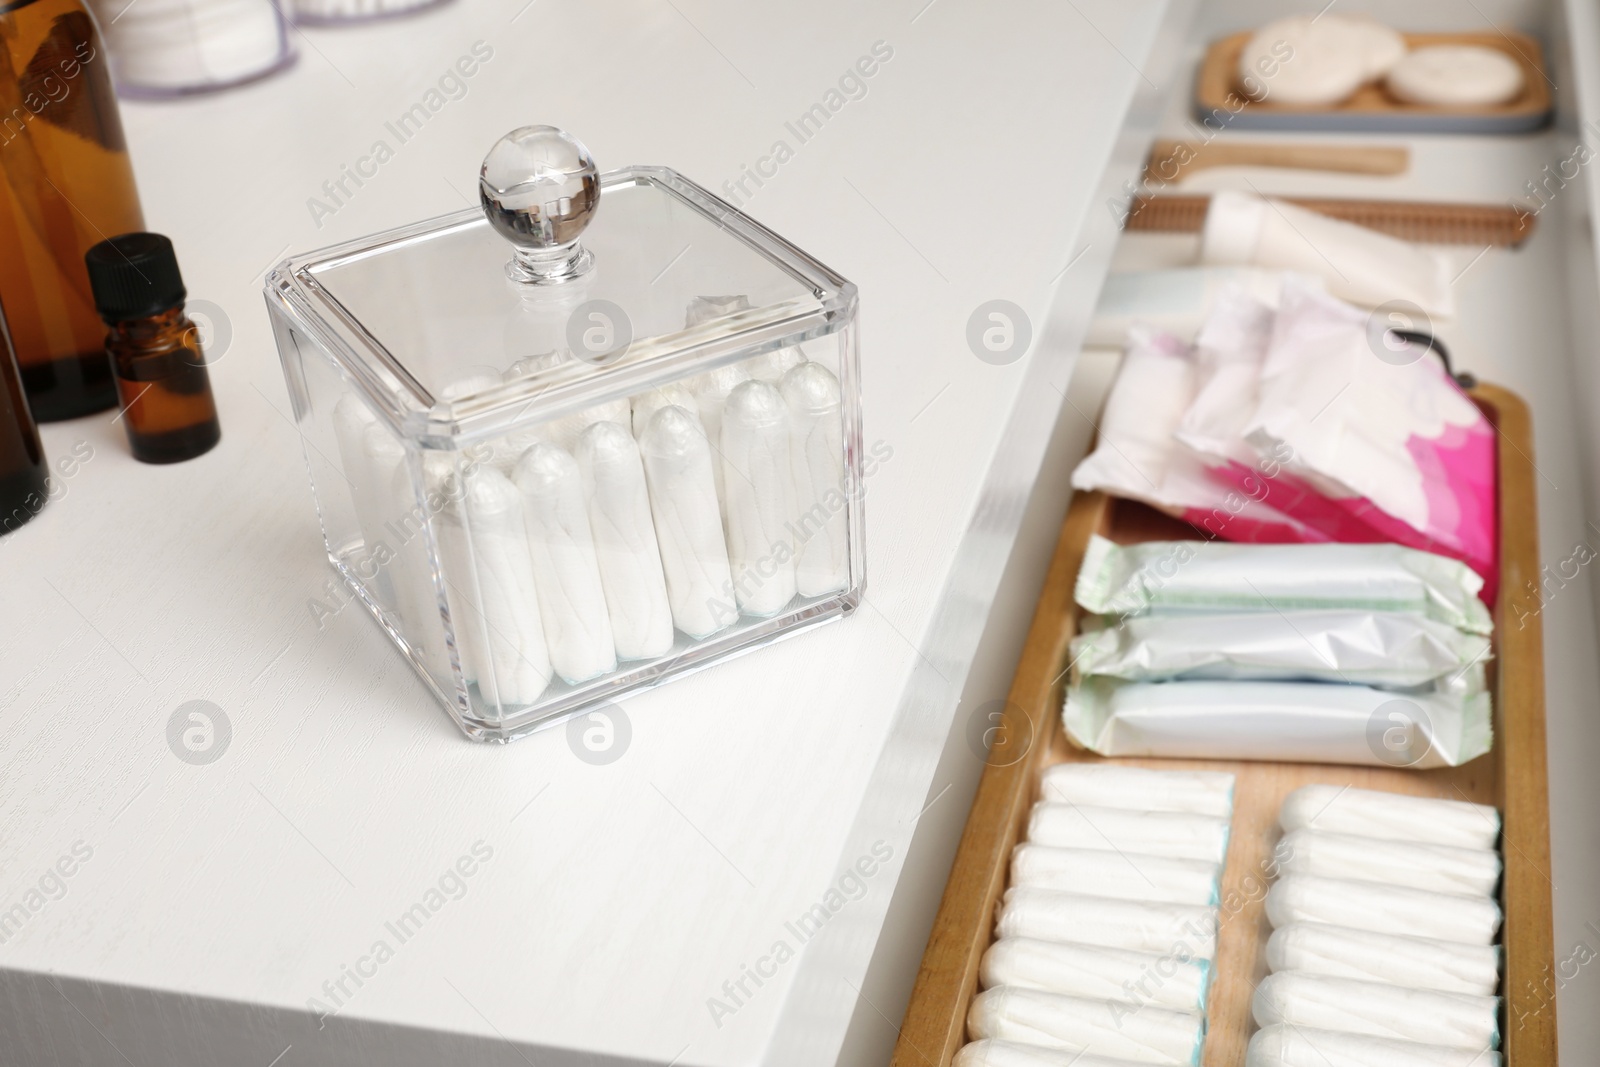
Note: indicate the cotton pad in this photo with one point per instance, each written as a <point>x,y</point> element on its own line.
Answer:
<point>1302,1046</point>
<point>1365,647</point>
<point>1456,75</point>
<point>1440,868</point>
<point>1383,909</point>
<point>1116,874</point>
<point>1152,833</point>
<point>1176,930</point>
<point>988,1053</point>
<point>1208,576</point>
<point>1391,816</point>
<point>1136,978</point>
<point>1415,962</point>
<point>1304,61</point>
<point>1145,1035</point>
<point>1108,785</point>
<point>1449,1019</point>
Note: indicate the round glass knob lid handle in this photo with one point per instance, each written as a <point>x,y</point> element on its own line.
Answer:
<point>539,188</point>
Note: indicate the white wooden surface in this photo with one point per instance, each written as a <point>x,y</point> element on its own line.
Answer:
<point>217,900</point>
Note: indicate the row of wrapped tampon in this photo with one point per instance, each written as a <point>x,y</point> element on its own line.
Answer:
<point>1382,952</point>
<point>589,540</point>
<point>1106,936</point>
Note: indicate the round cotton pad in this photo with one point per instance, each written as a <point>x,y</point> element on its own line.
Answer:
<point>1381,46</point>
<point>1450,75</point>
<point>1303,61</point>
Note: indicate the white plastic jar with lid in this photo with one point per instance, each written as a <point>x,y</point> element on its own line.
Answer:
<point>170,47</point>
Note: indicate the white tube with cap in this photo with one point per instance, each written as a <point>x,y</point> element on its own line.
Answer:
<point>990,1053</point>
<point>403,531</point>
<point>1450,1019</point>
<point>1413,864</point>
<point>1303,1046</point>
<point>647,403</point>
<point>1414,962</point>
<point>1178,930</point>
<point>758,481</point>
<point>694,556</point>
<point>351,421</point>
<point>1360,265</point>
<point>625,541</point>
<point>1115,874</point>
<point>1144,1035</point>
<point>1150,833</point>
<point>1383,909</point>
<point>1391,816</point>
<point>447,487</point>
<point>1136,978</point>
<point>1108,785</point>
<point>822,559</point>
<point>517,668</point>
<point>566,574</point>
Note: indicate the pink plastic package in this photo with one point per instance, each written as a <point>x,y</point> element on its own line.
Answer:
<point>1138,457</point>
<point>1366,446</point>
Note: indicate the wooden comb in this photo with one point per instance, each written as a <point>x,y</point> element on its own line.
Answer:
<point>1428,222</point>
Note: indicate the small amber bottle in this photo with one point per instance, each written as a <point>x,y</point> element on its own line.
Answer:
<point>154,348</point>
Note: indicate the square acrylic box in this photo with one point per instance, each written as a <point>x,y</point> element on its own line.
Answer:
<point>600,433</point>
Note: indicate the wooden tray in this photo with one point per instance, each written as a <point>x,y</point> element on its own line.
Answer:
<point>1511,776</point>
<point>1372,110</point>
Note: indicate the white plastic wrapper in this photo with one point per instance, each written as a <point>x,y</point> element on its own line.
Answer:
<point>1390,816</point>
<point>1450,1019</point>
<point>1176,930</point>
<point>1360,647</point>
<point>1383,909</point>
<point>1414,962</point>
<point>1356,263</point>
<point>1305,722</point>
<point>1144,1035</point>
<point>1096,972</point>
<point>1303,1046</point>
<point>1440,868</point>
<point>1107,785</point>
<point>989,1053</point>
<point>1213,576</point>
<point>1150,833</point>
<point>1110,874</point>
<point>1136,455</point>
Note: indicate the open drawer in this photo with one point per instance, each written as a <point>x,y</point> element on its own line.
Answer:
<point>1511,777</point>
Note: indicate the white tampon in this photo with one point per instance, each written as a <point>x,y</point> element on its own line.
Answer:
<point>772,367</point>
<point>516,666</point>
<point>1108,785</point>
<point>990,1053</point>
<point>1371,813</point>
<point>446,489</point>
<point>822,557</point>
<point>711,391</point>
<point>566,574</point>
<point>1180,930</point>
<point>351,420</point>
<point>1383,909</point>
<point>1151,833</point>
<point>625,541</point>
<point>651,401</point>
<point>1413,962</point>
<point>759,495</point>
<point>1414,864</point>
<point>1115,874</point>
<point>694,557</point>
<point>1279,1045</point>
<point>1137,978</point>
<point>563,432</point>
<point>403,545</point>
<point>1103,1027</point>
<point>1343,1004</point>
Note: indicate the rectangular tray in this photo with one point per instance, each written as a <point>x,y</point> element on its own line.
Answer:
<point>1511,776</point>
<point>1371,110</point>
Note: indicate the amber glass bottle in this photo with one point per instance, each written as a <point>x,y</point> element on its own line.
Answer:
<point>65,184</point>
<point>162,382</point>
<point>23,490</point>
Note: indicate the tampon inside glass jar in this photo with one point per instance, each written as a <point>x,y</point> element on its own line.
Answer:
<point>616,449</point>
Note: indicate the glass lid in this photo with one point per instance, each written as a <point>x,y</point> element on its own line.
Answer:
<point>564,278</point>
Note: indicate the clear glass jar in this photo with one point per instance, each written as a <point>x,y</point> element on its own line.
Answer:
<point>560,472</point>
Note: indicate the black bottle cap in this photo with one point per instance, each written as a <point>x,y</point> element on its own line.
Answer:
<point>134,276</point>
